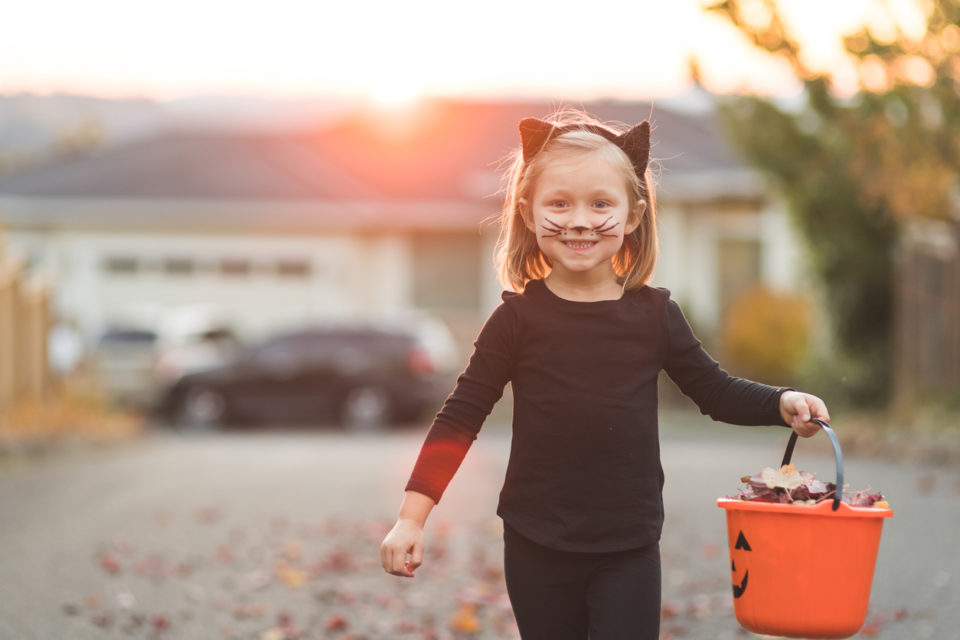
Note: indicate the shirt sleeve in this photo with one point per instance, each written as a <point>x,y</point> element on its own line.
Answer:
<point>478,389</point>
<point>721,396</point>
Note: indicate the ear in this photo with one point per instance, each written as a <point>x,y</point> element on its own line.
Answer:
<point>635,217</point>
<point>636,144</point>
<point>534,133</point>
<point>526,215</point>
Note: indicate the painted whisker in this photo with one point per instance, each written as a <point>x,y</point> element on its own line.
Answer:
<point>604,227</point>
<point>554,229</point>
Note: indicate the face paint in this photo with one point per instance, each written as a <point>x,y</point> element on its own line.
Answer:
<point>552,229</point>
<point>742,545</point>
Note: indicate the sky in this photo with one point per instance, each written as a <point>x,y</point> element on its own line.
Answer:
<point>390,50</point>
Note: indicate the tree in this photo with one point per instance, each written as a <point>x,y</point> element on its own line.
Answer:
<point>853,165</point>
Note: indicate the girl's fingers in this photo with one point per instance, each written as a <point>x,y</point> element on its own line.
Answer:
<point>405,570</point>
<point>820,409</point>
<point>387,559</point>
<point>396,564</point>
<point>416,557</point>
<point>384,557</point>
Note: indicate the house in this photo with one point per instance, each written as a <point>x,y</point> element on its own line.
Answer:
<point>380,213</point>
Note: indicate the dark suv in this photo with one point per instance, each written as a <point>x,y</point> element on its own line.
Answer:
<point>360,377</point>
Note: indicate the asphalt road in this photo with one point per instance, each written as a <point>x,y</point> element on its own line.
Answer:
<point>273,535</point>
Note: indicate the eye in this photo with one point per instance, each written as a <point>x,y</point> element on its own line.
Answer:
<point>557,204</point>
<point>601,204</point>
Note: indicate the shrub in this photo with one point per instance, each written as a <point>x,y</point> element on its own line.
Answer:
<point>765,336</point>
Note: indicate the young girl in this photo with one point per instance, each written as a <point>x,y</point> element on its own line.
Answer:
<point>582,339</point>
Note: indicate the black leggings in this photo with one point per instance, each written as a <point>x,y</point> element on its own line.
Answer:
<point>564,595</point>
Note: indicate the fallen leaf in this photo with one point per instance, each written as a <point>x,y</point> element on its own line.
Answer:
<point>786,477</point>
<point>123,544</point>
<point>280,633</point>
<point>256,580</point>
<point>126,600</point>
<point>405,626</point>
<point>109,563</point>
<point>338,561</point>
<point>206,515</point>
<point>184,569</point>
<point>225,554</point>
<point>160,623</point>
<point>103,620</point>
<point>465,619</point>
<point>288,575</point>
<point>335,623</point>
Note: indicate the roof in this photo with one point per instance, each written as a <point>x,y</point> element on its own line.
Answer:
<point>445,152</point>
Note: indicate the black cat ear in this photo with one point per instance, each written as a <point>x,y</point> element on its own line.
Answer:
<point>636,144</point>
<point>534,133</point>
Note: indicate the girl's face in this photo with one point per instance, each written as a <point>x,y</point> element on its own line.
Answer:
<point>580,211</point>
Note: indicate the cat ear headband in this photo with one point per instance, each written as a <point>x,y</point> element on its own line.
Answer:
<point>535,134</point>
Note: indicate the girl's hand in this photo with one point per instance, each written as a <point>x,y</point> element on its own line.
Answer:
<point>798,408</point>
<point>406,538</point>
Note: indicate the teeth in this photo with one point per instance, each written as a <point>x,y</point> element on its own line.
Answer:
<point>579,245</point>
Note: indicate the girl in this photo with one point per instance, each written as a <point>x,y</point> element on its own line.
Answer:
<point>582,338</point>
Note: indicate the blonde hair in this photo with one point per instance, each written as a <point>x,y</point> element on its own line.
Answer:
<point>518,255</point>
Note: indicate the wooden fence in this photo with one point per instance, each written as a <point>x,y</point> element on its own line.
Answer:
<point>927,320</point>
<point>24,331</point>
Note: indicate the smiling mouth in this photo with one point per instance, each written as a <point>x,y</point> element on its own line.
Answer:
<point>579,244</point>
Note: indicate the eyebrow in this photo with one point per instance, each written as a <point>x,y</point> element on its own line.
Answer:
<point>595,193</point>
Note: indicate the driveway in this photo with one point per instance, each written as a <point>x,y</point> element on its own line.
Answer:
<point>273,535</point>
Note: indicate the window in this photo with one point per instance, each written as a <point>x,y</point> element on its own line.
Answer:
<point>293,268</point>
<point>121,265</point>
<point>739,269</point>
<point>179,266</point>
<point>235,267</point>
<point>446,271</point>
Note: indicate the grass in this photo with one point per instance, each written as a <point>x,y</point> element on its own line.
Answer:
<point>75,411</point>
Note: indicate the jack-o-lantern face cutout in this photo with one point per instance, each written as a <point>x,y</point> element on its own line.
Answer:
<point>743,545</point>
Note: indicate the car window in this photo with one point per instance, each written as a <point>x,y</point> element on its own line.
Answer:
<point>128,336</point>
<point>276,346</point>
<point>325,345</point>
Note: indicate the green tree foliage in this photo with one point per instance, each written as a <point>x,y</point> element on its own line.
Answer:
<point>854,165</point>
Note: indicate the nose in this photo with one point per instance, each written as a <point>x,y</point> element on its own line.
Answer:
<point>579,220</point>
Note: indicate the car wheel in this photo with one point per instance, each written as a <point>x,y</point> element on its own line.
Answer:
<point>201,408</point>
<point>365,409</point>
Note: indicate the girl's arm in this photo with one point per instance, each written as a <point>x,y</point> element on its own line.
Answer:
<point>453,431</point>
<point>727,398</point>
<point>406,537</point>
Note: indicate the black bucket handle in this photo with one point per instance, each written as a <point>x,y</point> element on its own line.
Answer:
<point>838,492</point>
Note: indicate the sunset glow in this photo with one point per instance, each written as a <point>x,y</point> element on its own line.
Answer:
<point>394,51</point>
<point>396,88</point>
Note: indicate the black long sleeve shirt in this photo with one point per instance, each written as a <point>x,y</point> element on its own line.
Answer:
<point>584,471</point>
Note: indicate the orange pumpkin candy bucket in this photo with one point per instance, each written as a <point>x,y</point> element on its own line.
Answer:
<point>803,570</point>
